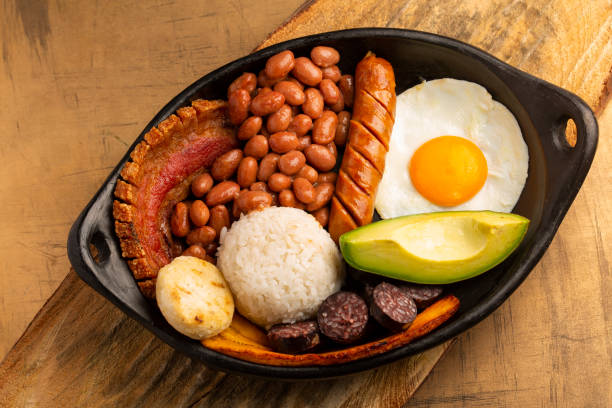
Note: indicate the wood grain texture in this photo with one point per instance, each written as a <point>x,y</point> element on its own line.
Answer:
<point>81,80</point>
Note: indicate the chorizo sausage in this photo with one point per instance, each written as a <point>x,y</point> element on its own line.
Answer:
<point>360,170</point>
<point>360,173</point>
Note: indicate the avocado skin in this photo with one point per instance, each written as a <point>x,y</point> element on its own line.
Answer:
<point>371,248</point>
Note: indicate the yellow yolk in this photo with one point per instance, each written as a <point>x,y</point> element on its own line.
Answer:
<point>448,170</point>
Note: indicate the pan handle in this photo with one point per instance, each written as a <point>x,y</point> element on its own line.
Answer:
<point>105,268</point>
<point>550,109</point>
<point>573,161</point>
<point>553,107</point>
<point>86,235</point>
<point>572,107</point>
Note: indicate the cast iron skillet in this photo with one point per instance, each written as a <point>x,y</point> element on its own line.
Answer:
<point>556,172</point>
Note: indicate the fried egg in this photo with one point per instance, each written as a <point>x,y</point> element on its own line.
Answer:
<point>452,148</point>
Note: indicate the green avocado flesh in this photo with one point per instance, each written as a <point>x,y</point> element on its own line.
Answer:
<point>440,247</point>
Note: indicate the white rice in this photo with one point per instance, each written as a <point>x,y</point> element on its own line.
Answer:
<point>280,265</point>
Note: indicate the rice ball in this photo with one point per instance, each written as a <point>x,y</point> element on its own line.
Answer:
<point>280,265</point>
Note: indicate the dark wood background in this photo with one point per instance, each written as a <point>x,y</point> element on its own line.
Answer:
<point>79,80</point>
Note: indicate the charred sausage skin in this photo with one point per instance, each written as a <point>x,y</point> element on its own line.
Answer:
<point>368,142</point>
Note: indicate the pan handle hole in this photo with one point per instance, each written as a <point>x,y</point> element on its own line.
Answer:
<point>565,134</point>
<point>571,133</point>
<point>100,252</point>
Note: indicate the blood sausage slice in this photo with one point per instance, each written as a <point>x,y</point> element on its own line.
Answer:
<point>423,295</point>
<point>343,317</point>
<point>391,307</point>
<point>294,338</point>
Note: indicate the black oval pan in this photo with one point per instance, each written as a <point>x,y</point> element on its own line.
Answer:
<point>556,172</point>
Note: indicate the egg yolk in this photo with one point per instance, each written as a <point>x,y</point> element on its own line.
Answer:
<point>448,170</point>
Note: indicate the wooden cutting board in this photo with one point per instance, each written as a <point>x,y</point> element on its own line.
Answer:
<point>80,350</point>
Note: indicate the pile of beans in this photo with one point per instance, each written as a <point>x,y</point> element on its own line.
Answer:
<point>291,119</point>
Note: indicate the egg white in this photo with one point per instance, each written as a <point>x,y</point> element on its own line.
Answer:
<point>456,108</point>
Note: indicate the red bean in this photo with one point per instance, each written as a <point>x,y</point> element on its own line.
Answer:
<point>238,106</point>
<point>263,90</point>
<point>254,200</point>
<point>267,166</point>
<point>199,214</point>
<point>279,65</point>
<point>323,193</point>
<point>274,199</point>
<point>295,81</point>
<point>278,182</point>
<point>320,157</point>
<point>176,249</point>
<point>300,125</point>
<point>330,177</point>
<point>222,193</point>
<point>246,81</point>
<point>294,95</point>
<point>329,90</point>
<point>225,165</point>
<point>236,211</point>
<point>308,173</point>
<point>332,148</point>
<point>292,162</point>
<point>266,103</point>
<point>324,129</point>
<point>256,147</point>
<point>179,222</point>
<point>307,72</point>
<point>219,218</point>
<point>265,82</point>
<point>303,190</point>
<point>279,120</point>
<point>286,198</point>
<point>304,142</point>
<point>313,106</point>
<point>201,236</point>
<point>332,73</point>
<point>260,186</point>
<point>195,250</point>
<point>322,215</point>
<point>211,248</point>
<point>346,84</point>
<point>344,119</point>
<point>338,106</point>
<point>283,142</point>
<point>201,185</point>
<point>249,127</point>
<point>247,172</point>
<point>324,56</point>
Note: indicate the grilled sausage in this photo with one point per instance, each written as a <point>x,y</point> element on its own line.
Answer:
<point>368,142</point>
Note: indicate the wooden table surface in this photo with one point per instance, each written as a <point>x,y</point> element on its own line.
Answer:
<point>79,81</point>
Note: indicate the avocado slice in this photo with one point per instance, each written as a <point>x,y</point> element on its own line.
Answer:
<point>440,247</point>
